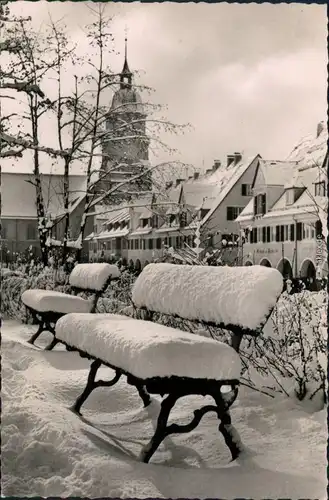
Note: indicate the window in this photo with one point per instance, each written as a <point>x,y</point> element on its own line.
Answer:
<point>320,188</point>
<point>246,190</point>
<point>108,245</point>
<point>177,242</point>
<point>183,219</point>
<point>124,244</point>
<point>233,212</point>
<point>144,222</point>
<point>286,233</point>
<point>292,232</point>
<point>290,196</point>
<point>154,221</point>
<point>171,219</point>
<point>166,241</point>
<point>260,204</point>
<point>264,234</point>
<point>253,235</point>
<point>150,244</point>
<point>170,241</point>
<point>299,231</point>
<point>268,234</point>
<point>3,232</point>
<point>136,244</point>
<point>158,243</point>
<point>31,231</point>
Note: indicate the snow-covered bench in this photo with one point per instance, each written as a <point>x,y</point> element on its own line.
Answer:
<point>167,361</point>
<point>47,306</point>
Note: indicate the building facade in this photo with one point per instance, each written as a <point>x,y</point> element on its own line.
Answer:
<point>19,224</point>
<point>155,222</point>
<point>285,223</point>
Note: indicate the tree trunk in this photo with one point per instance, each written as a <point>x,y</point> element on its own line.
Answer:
<point>66,208</point>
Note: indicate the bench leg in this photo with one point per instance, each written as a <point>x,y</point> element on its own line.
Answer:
<point>54,341</point>
<point>52,344</point>
<point>161,429</point>
<point>34,337</point>
<point>92,384</point>
<point>230,434</point>
<point>131,380</point>
<point>89,387</point>
<point>143,394</point>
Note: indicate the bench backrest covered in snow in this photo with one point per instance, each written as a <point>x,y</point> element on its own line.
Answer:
<point>239,299</point>
<point>92,277</point>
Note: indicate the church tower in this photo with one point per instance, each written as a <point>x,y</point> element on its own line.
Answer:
<point>126,145</point>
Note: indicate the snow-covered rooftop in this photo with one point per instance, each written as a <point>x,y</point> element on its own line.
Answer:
<point>275,172</point>
<point>312,149</point>
<point>225,179</point>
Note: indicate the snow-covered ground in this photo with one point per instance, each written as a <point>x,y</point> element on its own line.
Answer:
<point>49,451</point>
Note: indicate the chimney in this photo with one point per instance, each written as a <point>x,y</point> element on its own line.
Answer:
<point>196,175</point>
<point>179,181</point>
<point>216,165</point>
<point>319,129</point>
<point>209,171</point>
<point>169,184</point>
<point>230,160</point>
<point>237,158</point>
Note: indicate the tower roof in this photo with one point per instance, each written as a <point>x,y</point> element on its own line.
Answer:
<point>125,70</point>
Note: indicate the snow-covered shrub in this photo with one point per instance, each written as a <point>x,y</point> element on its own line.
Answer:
<point>118,295</point>
<point>13,285</point>
<point>291,354</point>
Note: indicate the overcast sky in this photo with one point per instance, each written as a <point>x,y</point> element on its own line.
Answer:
<point>249,78</point>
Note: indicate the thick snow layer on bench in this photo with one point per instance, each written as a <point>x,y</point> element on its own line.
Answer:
<point>145,349</point>
<point>93,276</point>
<point>48,300</point>
<point>241,296</point>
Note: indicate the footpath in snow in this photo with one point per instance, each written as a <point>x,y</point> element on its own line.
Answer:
<point>49,451</point>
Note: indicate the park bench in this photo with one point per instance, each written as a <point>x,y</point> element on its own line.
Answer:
<point>157,359</point>
<point>47,306</point>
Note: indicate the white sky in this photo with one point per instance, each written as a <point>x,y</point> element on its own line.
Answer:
<point>249,78</point>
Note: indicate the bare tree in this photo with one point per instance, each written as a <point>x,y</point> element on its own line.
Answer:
<point>80,116</point>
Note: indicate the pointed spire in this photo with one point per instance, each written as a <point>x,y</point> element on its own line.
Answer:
<point>126,69</point>
<point>126,75</point>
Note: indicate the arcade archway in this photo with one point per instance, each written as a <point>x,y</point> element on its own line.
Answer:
<point>266,263</point>
<point>307,269</point>
<point>285,268</point>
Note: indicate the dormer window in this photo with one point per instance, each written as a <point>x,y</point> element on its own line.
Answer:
<point>290,196</point>
<point>320,188</point>
<point>183,219</point>
<point>260,204</point>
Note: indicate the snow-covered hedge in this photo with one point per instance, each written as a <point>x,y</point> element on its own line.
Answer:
<point>13,284</point>
<point>291,355</point>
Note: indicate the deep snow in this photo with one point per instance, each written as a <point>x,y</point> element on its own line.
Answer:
<point>241,296</point>
<point>145,349</point>
<point>49,451</point>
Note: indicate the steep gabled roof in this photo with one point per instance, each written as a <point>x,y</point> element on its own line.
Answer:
<point>311,150</point>
<point>227,182</point>
<point>275,172</point>
<point>199,194</point>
